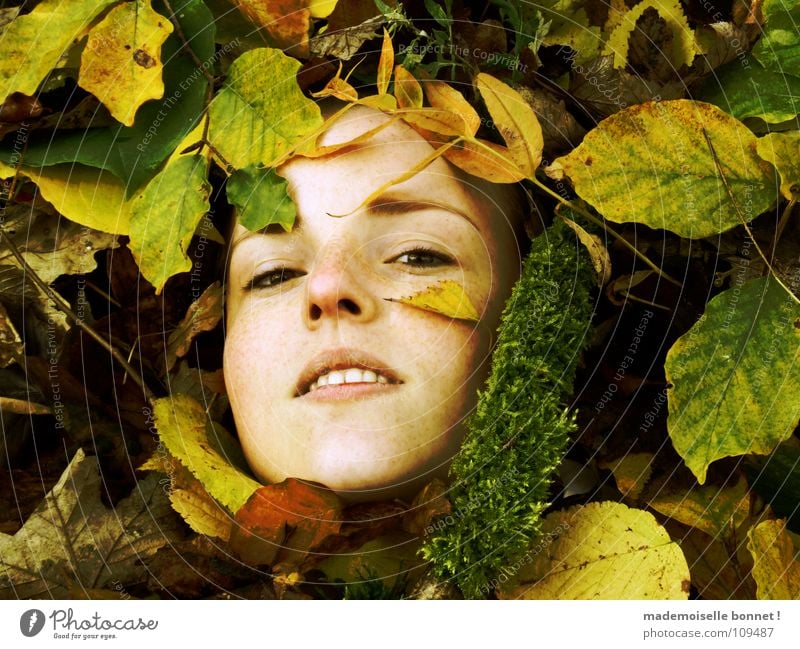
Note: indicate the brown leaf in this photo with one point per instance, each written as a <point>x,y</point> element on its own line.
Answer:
<point>10,343</point>
<point>429,503</point>
<point>284,520</point>
<point>344,43</point>
<point>560,130</point>
<point>203,315</point>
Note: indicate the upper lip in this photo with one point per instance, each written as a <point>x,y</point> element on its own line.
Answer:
<point>339,359</point>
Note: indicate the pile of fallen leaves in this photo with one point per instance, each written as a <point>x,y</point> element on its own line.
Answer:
<point>664,132</point>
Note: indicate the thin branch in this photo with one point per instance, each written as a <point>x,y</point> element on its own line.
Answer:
<point>591,217</point>
<point>62,305</point>
<point>179,31</point>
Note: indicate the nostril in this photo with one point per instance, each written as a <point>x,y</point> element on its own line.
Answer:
<point>316,312</point>
<point>351,306</point>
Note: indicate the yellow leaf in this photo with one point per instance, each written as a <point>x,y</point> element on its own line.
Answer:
<point>199,446</point>
<point>407,90</point>
<point>121,63</point>
<point>486,160</point>
<point>339,88</point>
<point>32,44</point>
<point>516,122</point>
<point>569,25</point>
<point>386,64</point>
<point>776,557</point>
<point>631,472</point>
<point>322,8</point>
<point>714,510</point>
<point>444,97</point>
<point>680,49</point>
<point>89,196</point>
<point>783,151</point>
<point>447,297</point>
<point>599,551</point>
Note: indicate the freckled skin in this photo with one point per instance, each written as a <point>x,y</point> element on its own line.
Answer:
<point>385,444</point>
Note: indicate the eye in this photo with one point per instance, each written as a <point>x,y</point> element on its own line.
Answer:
<point>271,278</point>
<point>422,257</point>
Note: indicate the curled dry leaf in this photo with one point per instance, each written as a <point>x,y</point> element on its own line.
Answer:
<point>203,315</point>
<point>285,521</point>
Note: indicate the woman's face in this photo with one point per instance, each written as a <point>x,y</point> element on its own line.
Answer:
<point>331,382</point>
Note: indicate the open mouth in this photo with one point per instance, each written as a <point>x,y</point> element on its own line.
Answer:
<point>342,368</point>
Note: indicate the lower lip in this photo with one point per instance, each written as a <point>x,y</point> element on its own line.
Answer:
<point>344,391</point>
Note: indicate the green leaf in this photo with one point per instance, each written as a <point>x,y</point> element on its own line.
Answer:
<point>779,46</point>
<point>783,151</point>
<point>753,91</point>
<point>261,197</point>
<point>121,63</point>
<point>600,551</point>
<point>568,25</point>
<point>32,44</point>
<point>261,113</point>
<point>651,164</point>
<point>133,154</point>
<point>735,376</point>
<point>165,216</point>
<point>183,427</point>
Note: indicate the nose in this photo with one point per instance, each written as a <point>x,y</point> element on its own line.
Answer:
<point>336,288</point>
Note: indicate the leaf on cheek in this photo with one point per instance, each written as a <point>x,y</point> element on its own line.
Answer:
<point>446,297</point>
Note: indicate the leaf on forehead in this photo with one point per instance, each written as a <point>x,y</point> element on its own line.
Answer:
<point>285,520</point>
<point>783,151</point>
<point>285,23</point>
<point>407,90</point>
<point>486,160</point>
<point>515,120</point>
<point>443,122</point>
<point>386,64</point>
<point>121,63</point>
<point>333,148</point>
<point>261,198</point>
<point>776,558</point>
<point>446,297</point>
<point>444,97</point>
<point>32,44</point>
<point>260,114</point>
<point>386,103</point>
<point>165,216</point>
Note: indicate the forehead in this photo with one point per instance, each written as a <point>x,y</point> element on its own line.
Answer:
<point>396,154</point>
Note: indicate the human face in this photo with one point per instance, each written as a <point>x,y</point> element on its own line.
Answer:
<point>399,423</point>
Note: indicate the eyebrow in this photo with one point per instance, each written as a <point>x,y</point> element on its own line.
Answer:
<point>384,205</point>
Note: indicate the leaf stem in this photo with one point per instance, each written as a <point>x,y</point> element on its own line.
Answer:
<point>601,223</point>
<point>179,31</point>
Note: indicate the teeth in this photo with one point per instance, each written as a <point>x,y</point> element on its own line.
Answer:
<point>350,375</point>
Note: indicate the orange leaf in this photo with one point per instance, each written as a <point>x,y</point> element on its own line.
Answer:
<point>286,22</point>
<point>285,519</point>
<point>490,161</point>
<point>445,97</point>
<point>386,64</point>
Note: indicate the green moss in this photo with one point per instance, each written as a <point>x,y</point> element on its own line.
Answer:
<point>519,430</point>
